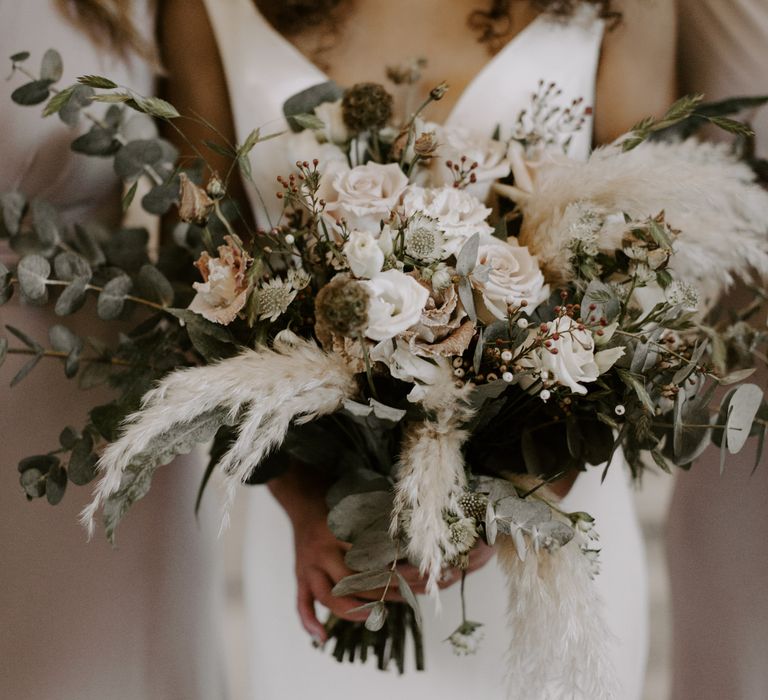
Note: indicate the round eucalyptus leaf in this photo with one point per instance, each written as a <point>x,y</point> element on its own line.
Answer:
<point>3,350</point>
<point>33,271</point>
<point>376,618</point>
<point>45,219</point>
<point>161,198</point>
<point>357,512</point>
<point>33,482</point>
<point>80,97</point>
<point>72,298</point>
<point>94,374</point>
<point>20,56</point>
<point>153,284</point>
<point>68,437</point>
<point>96,142</point>
<point>32,93</point>
<point>373,549</point>
<point>64,340</point>
<point>6,286</point>
<point>134,156</point>
<point>51,67</point>
<point>82,461</point>
<point>112,297</point>
<point>742,410</point>
<point>12,204</point>
<point>56,484</point>
<point>72,364</point>
<point>68,266</point>
<point>42,463</point>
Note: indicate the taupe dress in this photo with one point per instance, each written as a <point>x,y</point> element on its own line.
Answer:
<point>718,526</point>
<point>78,620</point>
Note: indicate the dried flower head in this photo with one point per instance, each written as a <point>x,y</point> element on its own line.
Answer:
<point>195,206</point>
<point>426,144</point>
<point>341,308</point>
<point>466,639</point>
<point>366,106</point>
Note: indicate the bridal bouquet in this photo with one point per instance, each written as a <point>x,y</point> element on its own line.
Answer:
<point>439,361</point>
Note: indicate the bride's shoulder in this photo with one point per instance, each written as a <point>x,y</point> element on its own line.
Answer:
<point>637,65</point>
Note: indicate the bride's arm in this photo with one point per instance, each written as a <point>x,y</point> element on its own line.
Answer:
<point>636,77</point>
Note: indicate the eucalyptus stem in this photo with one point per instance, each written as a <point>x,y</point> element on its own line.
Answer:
<point>65,355</point>
<point>368,370</point>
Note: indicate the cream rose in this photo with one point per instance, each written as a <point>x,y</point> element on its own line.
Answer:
<point>396,303</point>
<point>364,254</point>
<point>305,146</point>
<point>575,361</point>
<point>459,214</point>
<point>363,195</point>
<point>224,289</point>
<point>334,129</point>
<point>506,274</point>
<point>407,367</point>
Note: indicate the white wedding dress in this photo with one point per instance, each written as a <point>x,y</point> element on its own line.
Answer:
<point>263,69</point>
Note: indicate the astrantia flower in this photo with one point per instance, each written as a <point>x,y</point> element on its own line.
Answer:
<point>584,226</point>
<point>459,215</point>
<point>463,534</point>
<point>224,289</point>
<point>423,239</point>
<point>508,274</point>
<point>466,639</point>
<point>568,358</point>
<point>273,298</point>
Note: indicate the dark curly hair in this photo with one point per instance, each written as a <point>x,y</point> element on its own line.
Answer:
<point>492,24</point>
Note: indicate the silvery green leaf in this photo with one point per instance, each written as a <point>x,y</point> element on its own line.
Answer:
<point>604,299</point>
<point>24,338</point>
<point>500,230</point>
<point>154,285</point>
<point>677,430</point>
<point>760,446</point>
<point>373,549</point>
<point>365,581</point>
<point>305,101</point>
<point>486,392</point>
<point>127,249</point>
<point>3,350</point>
<point>477,358</point>
<point>308,121</point>
<point>491,526</point>
<point>64,340</point>
<point>660,461</point>
<point>524,513</point>
<point>32,93</point>
<point>466,260</point>
<point>33,272</point>
<point>33,483</point>
<point>69,266</point>
<point>552,534</point>
<point>112,297</point>
<point>645,355</point>
<point>134,156</point>
<point>51,67</point>
<point>128,196</point>
<point>94,374</point>
<point>46,223</point>
<point>356,481</point>
<point>96,142</point>
<point>20,56</point>
<point>737,376</point>
<point>357,512</point>
<point>6,286</point>
<point>26,369</point>
<point>683,373</point>
<point>69,111</point>
<point>160,198</point>
<point>377,618</point>
<point>690,442</point>
<point>501,488</point>
<point>40,462</point>
<point>638,386</point>
<point>387,413</point>
<point>97,81</point>
<point>68,437</point>
<point>467,298</point>
<point>409,596</point>
<point>210,339</point>
<point>12,204</point>
<point>743,408</point>
<point>82,461</point>
<point>55,484</point>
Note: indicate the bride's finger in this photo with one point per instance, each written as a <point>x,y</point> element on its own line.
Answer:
<point>305,604</point>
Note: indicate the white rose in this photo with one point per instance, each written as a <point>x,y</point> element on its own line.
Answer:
<point>407,367</point>
<point>363,253</point>
<point>363,195</point>
<point>397,301</point>
<point>459,214</point>
<point>334,129</point>
<point>507,274</point>
<point>305,146</point>
<point>575,361</point>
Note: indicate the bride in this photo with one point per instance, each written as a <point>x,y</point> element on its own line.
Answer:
<point>617,56</point>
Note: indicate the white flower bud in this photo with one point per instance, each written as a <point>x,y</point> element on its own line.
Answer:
<point>506,356</point>
<point>545,395</point>
<point>508,377</point>
<point>522,323</point>
<point>289,239</point>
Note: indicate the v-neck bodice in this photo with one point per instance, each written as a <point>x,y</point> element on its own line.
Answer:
<point>263,69</point>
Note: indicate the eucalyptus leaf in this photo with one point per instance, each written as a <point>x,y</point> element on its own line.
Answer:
<point>409,596</point>
<point>24,338</point>
<point>64,340</point>
<point>365,581</point>
<point>51,67</point>
<point>69,266</point>
<point>603,298</point>
<point>467,298</point>
<point>13,204</point>
<point>743,408</point>
<point>33,272</point>
<point>373,549</point>
<point>26,369</point>
<point>112,297</point>
<point>55,484</point>
<point>68,437</point>
<point>211,340</point>
<point>82,461</point>
<point>94,374</point>
<point>305,101</point>
<point>466,260</point>
<point>32,93</point>
<point>33,483</point>
<point>376,618</point>
<point>161,198</point>
<point>130,193</point>
<point>42,463</point>
<point>3,350</point>
<point>98,141</point>
<point>127,249</point>
<point>134,156</point>
<point>153,285</point>
<point>20,56</point>
<point>46,223</point>
<point>357,512</point>
<point>737,376</point>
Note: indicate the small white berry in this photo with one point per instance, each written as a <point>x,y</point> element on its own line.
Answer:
<point>545,395</point>
<point>522,323</point>
<point>459,372</point>
<point>620,410</point>
<point>507,377</point>
<point>506,356</point>
<point>289,239</point>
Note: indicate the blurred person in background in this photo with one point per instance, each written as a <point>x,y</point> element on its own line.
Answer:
<point>718,525</point>
<point>80,620</point>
